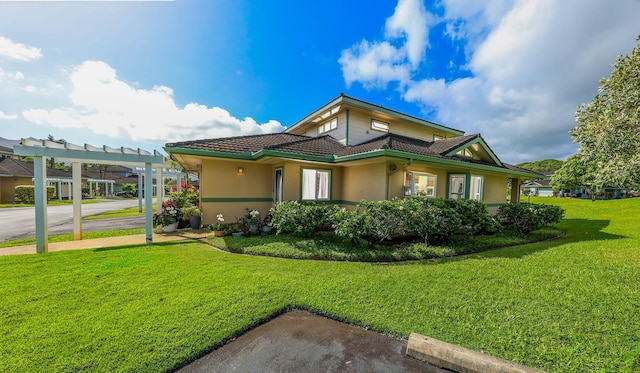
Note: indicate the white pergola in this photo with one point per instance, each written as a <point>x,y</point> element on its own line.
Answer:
<point>40,150</point>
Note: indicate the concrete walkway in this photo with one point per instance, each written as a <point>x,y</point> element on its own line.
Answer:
<point>95,243</point>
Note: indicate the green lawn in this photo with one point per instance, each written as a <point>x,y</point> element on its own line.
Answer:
<point>568,305</point>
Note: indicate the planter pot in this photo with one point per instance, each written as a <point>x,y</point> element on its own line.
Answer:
<point>253,229</point>
<point>237,234</point>
<point>159,229</point>
<point>170,228</point>
<point>195,221</point>
<point>218,233</point>
<point>266,229</point>
<point>182,223</point>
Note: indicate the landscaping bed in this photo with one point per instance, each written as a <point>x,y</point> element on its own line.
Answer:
<point>326,246</point>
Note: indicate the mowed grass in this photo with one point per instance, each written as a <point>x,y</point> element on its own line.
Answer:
<point>567,305</point>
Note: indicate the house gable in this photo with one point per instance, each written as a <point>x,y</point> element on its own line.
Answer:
<point>352,121</point>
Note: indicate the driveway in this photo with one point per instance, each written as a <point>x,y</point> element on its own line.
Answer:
<point>19,222</point>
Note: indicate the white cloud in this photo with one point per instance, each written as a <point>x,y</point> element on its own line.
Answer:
<point>375,64</point>
<point>104,104</point>
<point>8,116</point>
<point>410,21</point>
<point>18,51</point>
<point>11,76</point>
<point>531,64</point>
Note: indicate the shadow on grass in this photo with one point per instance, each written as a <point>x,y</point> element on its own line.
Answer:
<point>576,230</point>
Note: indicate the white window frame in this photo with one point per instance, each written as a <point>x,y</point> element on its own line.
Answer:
<point>478,194</point>
<point>412,190</point>
<point>327,126</point>
<point>320,189</point>
<point>378,125</point>
<point>437,137</point>
<point>460,193</point>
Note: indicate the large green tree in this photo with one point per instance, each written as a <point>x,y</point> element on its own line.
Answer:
<point>608,129</point>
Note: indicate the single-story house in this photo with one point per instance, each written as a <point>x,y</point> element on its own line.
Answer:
<point>540,188</point>
<point>346,151</point>
<point>14,172</point>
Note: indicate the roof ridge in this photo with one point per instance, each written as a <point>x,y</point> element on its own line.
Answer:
<point>217,139</point>
<point>307,138</point>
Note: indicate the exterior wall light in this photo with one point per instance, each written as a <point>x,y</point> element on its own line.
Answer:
<point>240,170</point>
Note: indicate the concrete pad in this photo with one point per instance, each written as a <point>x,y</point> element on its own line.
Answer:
<point>460,359</point>
<point>299,341</point>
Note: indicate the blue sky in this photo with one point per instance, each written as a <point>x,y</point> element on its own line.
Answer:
<point>139,74</point>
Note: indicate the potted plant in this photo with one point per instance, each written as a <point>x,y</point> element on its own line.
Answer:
<point>217,228</point>
<point>194,214</point>
<point>266,223</point>
<point>168,222</point>
<point>253,220</point>
<point>236,229</point>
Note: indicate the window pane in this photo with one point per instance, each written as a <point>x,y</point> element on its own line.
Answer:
<point>323,184</point>
<point>457,187</point>
<point>308,184</point>
<point>476,188</point>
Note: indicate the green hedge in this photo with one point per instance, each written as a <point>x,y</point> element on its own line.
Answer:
<point>26,193</point>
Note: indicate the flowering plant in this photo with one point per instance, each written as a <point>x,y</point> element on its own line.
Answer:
<point>169,214</point>
<point>218,225</point>
<point>253,217</point>
<point>169,208</point>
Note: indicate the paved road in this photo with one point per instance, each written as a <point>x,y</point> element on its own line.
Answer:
<point>19,222</point>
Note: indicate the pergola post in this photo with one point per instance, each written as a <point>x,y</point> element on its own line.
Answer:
<point>515,191</point>
<point>160,189</point>
<point>76,174</point>
<point>140,187</point>
<point>40,183</point>
<point>148,202</point>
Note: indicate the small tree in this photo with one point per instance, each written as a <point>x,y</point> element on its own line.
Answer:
<point>608,129</point>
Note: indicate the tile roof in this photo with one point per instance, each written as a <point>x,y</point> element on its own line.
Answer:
<point>327,146</point>
<point>321,146</point>
<point>18,168</point>
<point>239,144</point>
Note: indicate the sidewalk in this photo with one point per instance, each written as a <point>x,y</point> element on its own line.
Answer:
<point>137,239</point>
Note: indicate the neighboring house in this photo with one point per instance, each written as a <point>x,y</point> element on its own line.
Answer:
<point>346,151</point>
<point>14,172</point>
<point>540,188</point>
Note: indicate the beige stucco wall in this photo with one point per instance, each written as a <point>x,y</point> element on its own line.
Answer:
<point>8,185</point>
<point>365,182</point>
<point>220,179</point>
<point>495,190</point>
<point>224,191</point>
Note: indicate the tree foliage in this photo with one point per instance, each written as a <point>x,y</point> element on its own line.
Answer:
<point>571,175</point>
<point>608,129</point>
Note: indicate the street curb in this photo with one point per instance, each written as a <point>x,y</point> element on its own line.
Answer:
<point>460,359</point>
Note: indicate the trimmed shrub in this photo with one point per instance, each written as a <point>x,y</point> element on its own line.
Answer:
<point>475,216</point>
<point>301,218</point>
<point>26,193</point>
<point>371,221</point>
<point>525,217</point>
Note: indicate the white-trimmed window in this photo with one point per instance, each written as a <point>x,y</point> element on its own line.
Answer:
<point>456,186</point>
<point>316,184</point>
<point>379,125</point>
<point>437,137</point>
<point>420,184</point>
<point>477,183</point>
<point>328,126</point>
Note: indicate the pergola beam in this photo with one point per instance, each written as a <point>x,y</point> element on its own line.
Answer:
<point>40,150</point>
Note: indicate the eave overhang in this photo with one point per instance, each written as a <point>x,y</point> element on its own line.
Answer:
<point>333,159</point>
